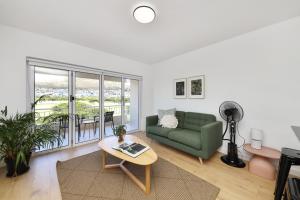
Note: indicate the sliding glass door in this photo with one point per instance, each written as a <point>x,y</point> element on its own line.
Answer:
<point>51,87</point>
<point>131,104</point>
<point>85,105</point>
<point>112,94</point>
<point>121,103</point>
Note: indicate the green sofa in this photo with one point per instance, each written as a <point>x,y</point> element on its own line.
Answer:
<point>197,133</point>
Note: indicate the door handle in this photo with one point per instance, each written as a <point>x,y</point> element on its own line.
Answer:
<point>72,98</point>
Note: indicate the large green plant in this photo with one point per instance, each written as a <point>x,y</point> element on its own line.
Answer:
<point>19,136</point>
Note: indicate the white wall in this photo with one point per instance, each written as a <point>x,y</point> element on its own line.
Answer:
<point>260,70</point>
<point>16,44</point>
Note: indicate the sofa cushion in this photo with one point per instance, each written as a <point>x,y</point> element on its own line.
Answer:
<point>180,116</point>
<point>158,130</point>
<point>187,137</point>
<point>169,121</point>
<point>194,121</point>
<point>162,113</point>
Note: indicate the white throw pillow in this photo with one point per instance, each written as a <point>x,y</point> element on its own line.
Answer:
<point>169,121</point>
<point>162,113</point>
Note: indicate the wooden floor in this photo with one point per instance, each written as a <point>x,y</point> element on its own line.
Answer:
<point>41,183</point>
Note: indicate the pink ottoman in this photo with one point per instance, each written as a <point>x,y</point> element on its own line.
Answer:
<point>261,164</point>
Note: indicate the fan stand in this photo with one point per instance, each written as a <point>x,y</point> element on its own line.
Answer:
<point>232,158</point>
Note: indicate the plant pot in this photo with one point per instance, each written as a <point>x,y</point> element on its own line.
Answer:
<point>121,138</point>
<point>11,166</point>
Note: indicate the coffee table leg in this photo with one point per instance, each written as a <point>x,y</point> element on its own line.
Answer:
<point>148,178</point>
<point>103,159</point>
<point>146,188</point>
<point>109,166</point>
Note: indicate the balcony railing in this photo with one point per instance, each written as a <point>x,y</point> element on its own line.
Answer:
<point>44,112</point>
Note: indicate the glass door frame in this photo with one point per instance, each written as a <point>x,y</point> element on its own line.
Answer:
<point>31,98</point>
<point>71,103</point>
<point>32,62</point>
<point>139,102</point>
<point>73,109</point>
<point>122,101</point>
<point>103,100</point>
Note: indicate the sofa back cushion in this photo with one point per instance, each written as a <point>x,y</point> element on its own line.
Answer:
<point>180,117</point>
<point>194,121</point>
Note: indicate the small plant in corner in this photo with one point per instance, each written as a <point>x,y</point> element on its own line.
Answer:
<point>120,131</point>
<point>20,136</point>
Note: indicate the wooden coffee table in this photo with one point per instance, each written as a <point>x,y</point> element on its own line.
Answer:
<point>145,159</point>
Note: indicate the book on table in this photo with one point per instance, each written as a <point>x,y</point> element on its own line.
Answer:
<point>132,149</point>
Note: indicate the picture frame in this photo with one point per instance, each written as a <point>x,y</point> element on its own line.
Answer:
<point>179,88</point>
<point>196,87</point>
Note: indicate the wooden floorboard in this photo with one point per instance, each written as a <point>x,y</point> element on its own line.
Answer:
<point>41,182</point>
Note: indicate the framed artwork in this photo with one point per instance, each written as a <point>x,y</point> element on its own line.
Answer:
<point>180,88</point>
<point>196,87</point>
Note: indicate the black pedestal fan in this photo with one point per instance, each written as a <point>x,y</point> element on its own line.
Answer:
<point>232,113</point>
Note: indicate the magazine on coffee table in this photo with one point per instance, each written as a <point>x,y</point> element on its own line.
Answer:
<point>132,149</point>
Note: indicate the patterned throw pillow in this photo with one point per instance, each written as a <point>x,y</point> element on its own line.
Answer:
<point>169,121</point>
<point>162,113</point>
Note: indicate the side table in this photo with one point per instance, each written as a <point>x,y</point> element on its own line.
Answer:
<point>260,164</point>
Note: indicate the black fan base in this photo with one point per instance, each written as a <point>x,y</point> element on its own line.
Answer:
<point>234,163</point>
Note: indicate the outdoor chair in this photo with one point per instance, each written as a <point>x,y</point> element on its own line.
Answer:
<point>109,117</point>
<point>64,124</point>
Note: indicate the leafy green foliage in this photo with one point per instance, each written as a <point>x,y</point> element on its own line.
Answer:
<point>119,130</point>
<point>82,109</point>
<point>19,136</point>
<point>89,98</point>
<point>117,99</point>
<point>53,98</point>
<point>41,98</point>
<point>4,111</point>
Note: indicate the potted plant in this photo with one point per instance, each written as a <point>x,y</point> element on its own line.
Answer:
<point>120,131</point>
<point>19,137</point>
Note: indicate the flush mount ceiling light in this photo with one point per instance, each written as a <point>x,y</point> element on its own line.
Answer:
<point>144,14</point>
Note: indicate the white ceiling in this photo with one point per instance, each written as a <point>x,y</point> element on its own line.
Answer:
<point>180,26</point>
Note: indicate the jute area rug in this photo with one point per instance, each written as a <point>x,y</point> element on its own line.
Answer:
<point>83,178</point>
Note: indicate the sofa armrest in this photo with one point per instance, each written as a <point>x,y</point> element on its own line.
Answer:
<point>151,120</point>
<point>211,137</point>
